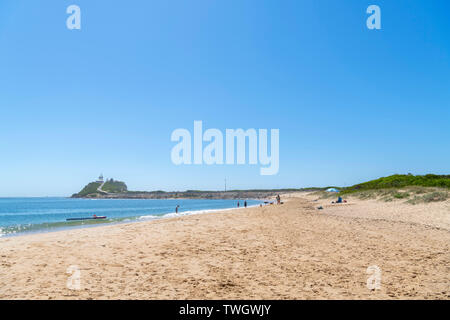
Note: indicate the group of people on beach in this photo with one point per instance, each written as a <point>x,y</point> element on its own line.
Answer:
<point>339,200</point>
<point>238,204</point>
<point>245,204</point>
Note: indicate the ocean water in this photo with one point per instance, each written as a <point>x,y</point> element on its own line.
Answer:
<point>31,215</point>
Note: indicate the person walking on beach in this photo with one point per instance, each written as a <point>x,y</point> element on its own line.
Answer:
<point>245,203</point>
<point>176,209</point>
<point>278,199</point>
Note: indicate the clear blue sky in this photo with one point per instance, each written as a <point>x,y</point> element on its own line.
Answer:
<point>351,104</point>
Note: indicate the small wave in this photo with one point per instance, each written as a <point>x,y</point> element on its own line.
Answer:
<point>189,212</point>
<point>6,231</point>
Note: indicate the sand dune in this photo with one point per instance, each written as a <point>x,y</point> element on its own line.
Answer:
<point>290,251</point>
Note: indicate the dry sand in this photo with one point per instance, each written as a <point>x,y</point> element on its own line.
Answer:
<point>288,251</point>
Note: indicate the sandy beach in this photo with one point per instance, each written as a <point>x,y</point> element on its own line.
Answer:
<point>288,251</point>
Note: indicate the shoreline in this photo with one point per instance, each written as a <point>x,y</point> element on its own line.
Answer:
<point>124,220</point>
<point>288,251</point>
<point>139,220</point>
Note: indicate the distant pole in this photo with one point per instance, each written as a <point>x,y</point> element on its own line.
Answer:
<point>225,185</point>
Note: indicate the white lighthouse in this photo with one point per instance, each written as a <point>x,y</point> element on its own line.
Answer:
<point>100,179</point>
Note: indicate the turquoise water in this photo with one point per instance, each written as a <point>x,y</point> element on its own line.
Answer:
<point>26,215</point>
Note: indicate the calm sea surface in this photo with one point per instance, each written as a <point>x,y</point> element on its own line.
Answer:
<point>27,215</point>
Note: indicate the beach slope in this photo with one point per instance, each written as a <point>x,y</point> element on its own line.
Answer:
<point>288,251</point>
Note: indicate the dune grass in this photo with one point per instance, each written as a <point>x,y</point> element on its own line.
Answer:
<point>398,181</point>
<point>412,194</point>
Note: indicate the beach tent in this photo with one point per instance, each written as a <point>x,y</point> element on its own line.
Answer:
<point>332,190</point>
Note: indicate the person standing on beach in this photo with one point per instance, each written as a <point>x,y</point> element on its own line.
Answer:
<point>176,209</point>
<point>238,204</point>
<point>278,199</point>
<point>245,203</point>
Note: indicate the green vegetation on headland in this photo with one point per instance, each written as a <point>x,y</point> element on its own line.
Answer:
<point>112,186</point>
<point>93,190</point>
<point>90,188</point>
